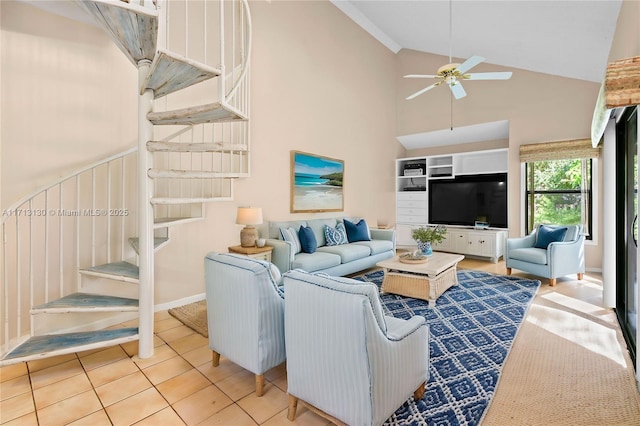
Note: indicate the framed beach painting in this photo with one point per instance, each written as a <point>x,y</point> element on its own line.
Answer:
<point>316,183</point>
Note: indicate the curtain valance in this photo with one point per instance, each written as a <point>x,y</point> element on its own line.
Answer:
<point>559,150</point>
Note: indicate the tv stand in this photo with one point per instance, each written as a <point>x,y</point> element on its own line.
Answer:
<point>475,242</point>
<point>412,182</point>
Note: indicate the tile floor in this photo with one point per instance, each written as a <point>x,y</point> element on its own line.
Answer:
<point>176,386</point>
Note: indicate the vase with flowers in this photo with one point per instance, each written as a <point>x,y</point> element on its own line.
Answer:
<point>426,236</point>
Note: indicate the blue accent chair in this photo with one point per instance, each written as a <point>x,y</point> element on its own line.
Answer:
<point>245,313</point>
<point>560,258</point>
<point>346,360</point>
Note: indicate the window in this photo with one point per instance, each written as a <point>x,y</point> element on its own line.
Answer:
<point>559,191</point>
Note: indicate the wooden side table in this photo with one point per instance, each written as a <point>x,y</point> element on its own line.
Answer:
<point>261,253</point>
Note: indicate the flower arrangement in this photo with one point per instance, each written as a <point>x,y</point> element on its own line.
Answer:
<point>432,234</point>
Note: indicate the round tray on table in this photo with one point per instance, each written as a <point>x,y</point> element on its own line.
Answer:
<point>412,259</point>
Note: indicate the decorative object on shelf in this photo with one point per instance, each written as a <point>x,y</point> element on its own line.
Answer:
<point>427,235</point>
<point>413,257</point>
<point>260,242</point>
<point>249,216</point>
<point>316,183</point>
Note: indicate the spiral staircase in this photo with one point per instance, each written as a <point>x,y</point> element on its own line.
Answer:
<point>78,255</point>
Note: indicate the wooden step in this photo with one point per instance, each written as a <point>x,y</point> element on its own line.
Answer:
<point>49,345</point>
<point>178,200</point>
<point>165,222</point>
<point>133,28</point>
<point>171,72</point>
<point>160,146</point>
<point>119,271</point>
<point>192,174</point>
<point>85,302</point>
<point>157,242</point>
<point>209,113</point>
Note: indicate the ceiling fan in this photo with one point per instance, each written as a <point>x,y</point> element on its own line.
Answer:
<point>452,74</point>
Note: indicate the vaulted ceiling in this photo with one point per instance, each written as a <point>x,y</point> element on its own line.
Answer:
<point>569,38</point>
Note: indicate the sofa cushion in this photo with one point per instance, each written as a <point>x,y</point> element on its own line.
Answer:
<point>315,262</point>
<point>335,236</point>
<point>307,239</point>
<point>347,252</point>
<point>529,255</point>
<point>291,235</point>
<point>377,246</point>
<point>357,231</point>
<point>318,228</point>
<point>547,235</point>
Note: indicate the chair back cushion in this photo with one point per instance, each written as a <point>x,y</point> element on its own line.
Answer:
<point>245,311</point>
<point>547,234</point>
<point>328,324</point>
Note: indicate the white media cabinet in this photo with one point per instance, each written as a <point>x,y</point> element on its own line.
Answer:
<point>412,201</point>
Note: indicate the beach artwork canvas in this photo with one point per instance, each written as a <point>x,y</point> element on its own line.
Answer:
<point>316,183</point>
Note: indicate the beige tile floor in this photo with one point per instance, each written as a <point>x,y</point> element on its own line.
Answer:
<point>176,386</point>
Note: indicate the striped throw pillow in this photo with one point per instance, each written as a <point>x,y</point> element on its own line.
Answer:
<point>291,235</point>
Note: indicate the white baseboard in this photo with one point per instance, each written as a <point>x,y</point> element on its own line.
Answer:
<point>179,302</point>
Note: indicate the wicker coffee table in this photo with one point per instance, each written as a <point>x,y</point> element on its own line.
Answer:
<point>426,281</point>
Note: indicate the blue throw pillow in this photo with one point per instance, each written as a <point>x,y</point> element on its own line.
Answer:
<point>548,235</point>
<point>357,231</point>
<point>307,239</point>
<point>335,236</point>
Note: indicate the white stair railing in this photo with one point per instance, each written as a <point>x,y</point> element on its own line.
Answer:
<point>81,220</point>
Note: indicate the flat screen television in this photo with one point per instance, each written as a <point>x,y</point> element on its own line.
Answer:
<point>467,199</point>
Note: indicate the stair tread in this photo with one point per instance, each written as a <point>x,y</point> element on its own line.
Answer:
<point>157,242</point>
<point>209,113</point>
<point>86,300</point>
<point>40,346</point>
<point>171,72</point>
<point>178,200</point>
<point>123,269</point>
<point>133,28</point>
<point>165,222</point>
<point>162,146</point>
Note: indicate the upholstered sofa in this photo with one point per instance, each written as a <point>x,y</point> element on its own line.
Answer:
<point>337,259</point>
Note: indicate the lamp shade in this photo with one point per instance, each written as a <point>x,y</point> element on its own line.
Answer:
<point>249,216</point>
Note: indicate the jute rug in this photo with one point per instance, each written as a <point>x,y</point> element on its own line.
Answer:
<point>193,315</point>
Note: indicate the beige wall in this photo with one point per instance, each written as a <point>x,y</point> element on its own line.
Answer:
<point>68,98</point>
<point>320,84</point>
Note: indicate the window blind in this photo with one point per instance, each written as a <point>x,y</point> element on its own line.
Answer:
<point>622,83</point>
<point>559,150</point>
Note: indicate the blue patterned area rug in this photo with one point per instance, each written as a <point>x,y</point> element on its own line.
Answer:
<point>472,328</point>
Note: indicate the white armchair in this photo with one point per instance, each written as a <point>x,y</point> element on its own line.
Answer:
<point>346,360</point>
<point>245,313</point>
<point>558,259</point>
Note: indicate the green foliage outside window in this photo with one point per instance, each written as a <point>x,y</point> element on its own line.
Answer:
<point>559,191</point>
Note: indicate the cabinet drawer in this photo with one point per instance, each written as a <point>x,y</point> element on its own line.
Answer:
<point>410,219</point>
<point>404,204</point>
<point>413,212</point>
<point>411,196</point>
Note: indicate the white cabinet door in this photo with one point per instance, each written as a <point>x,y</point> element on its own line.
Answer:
<point>403,235</point>
<point>482,244</point>
<point>459,241</point>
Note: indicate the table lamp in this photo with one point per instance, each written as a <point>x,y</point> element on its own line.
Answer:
<point>249,216</point>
